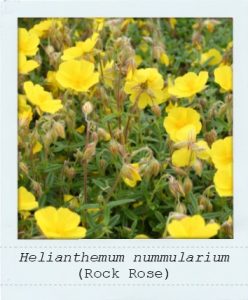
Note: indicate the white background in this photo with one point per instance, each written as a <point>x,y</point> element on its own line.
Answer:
<point>33,281</point>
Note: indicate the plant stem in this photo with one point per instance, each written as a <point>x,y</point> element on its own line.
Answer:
<point>85,163</point>
<point>113,187</point>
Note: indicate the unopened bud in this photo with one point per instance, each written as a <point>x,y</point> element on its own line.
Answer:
<point>205,204</point>
<point>227,227</point>
<point>187,185</point>
<point>89,152</point>
<point>181,208</point>
<point>49,50</point>
<point>154,167</point>
<point>175,187</point>
<point>197,166</point>
<point>79,155</point>
<point>36,186</point>
<point>156,110</point>
<point>59,129</point>
<point>211,137</point>
<point>114,147</point>
<point>87,108</point>
<point>179,171</point>
<point>69,172</point>
<point>103,134</point>
<point>157,52</point>
<point>23,167</point>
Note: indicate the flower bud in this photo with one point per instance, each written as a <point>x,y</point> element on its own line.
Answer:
<point>24,168</point>
<point>181,208</point>
<point>179,171</point>
<point>211,137</point>
<point>205,204</point>
<point>36,186</point>
<point>59,129</point>
<point>187,185</point>
<point>197,166</point>
<point>227,227</point>
<point>89,152</point>
<point>175,187</point>
<point>87,108</point>
<point>156,110</point>
<point>155,167</point>
<point>103,134</point>
<point>114,147</point>
<point>69,172</point>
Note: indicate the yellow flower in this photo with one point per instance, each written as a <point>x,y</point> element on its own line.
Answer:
<point>130,174</point>
<point>164,59</point>
<point>77,75</point>
<point>146,87</point>
<point>41,98</point>
<point>172,22</point>
<point>93,210</point>
<point>27,42</point>
<point>73,201</point>
<point>223,76</point>
<point>211,57</point>
<point>210,24</point>
<point>192,228</point>
<point>25,113</point>
<point>81,129</point>
<point>26,200</point>
<point>187,156</point>
<point>41,29</point>
<point>52,82</point>
<point>25,66</point>
<point>189,85</point>
<point>80,48</point>
<point>98,24</point>
<point>170,106</point>
<point>37,147</point>
<point>223,181</point>
<point>181,122</point>
<point>222,153</point>
<point>59,223</point>
<point>141,236</point>
<point>138,59</point>
<point>144,47</point>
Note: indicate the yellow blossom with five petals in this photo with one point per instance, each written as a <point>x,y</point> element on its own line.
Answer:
<point>223,76</point>
<point>41,98</point>
<point>25,113</point>
<point>145,86</point>
<point>180,122</point>
<point>189,85</point>
<point>192,227</point>
<point>59,223</point>
<point>223,181</point>
<point>80,48</point>
<point>222,153</point>
<point>78,75</point>
<point>130,174</point>
<point>26,200</point>
<point>27,42</point>
<point>188,155</point>
<point>211,57</point>
<point>25,66</point>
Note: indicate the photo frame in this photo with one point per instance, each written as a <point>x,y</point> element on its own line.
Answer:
<point>25,278</point>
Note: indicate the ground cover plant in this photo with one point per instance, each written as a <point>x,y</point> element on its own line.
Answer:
<point>125,128</point>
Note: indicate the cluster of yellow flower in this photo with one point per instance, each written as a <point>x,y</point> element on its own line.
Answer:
<point>79,68</point>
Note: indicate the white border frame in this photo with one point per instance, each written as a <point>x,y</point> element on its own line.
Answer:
<point>238,10</point>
